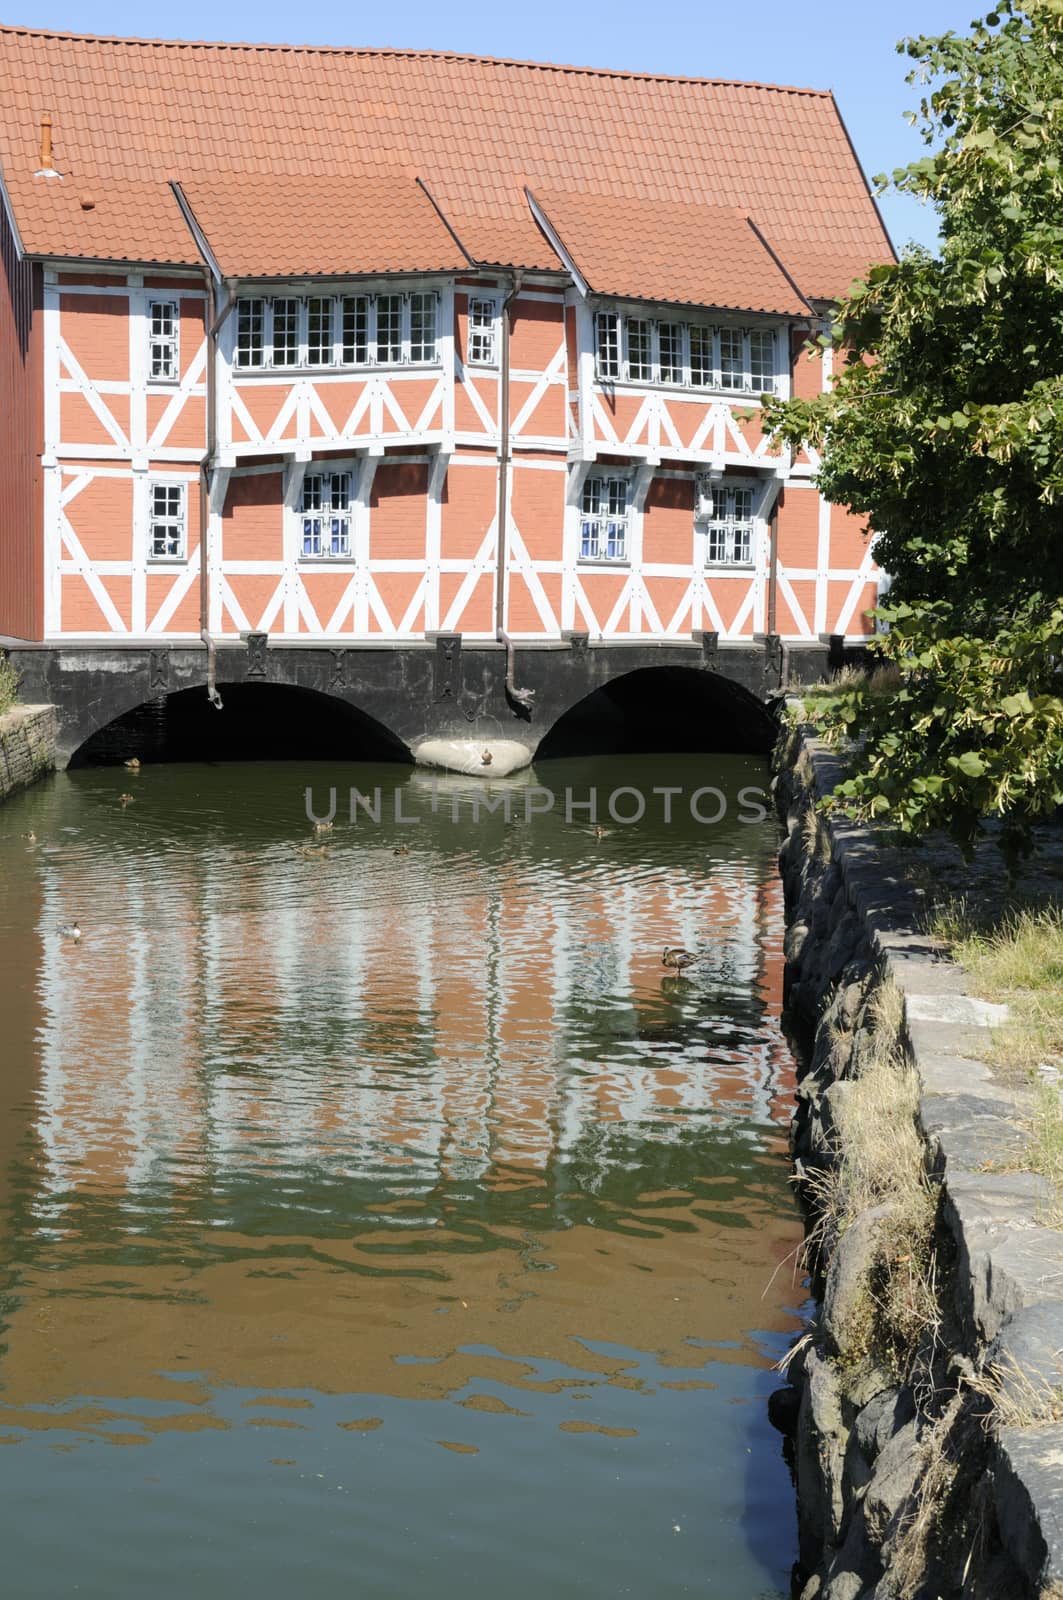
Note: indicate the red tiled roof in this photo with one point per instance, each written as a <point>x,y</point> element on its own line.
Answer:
<point>672,251</point>
<point>132,112</point>
<point>270,227</point>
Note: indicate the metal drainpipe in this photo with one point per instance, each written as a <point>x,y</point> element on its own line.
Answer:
<point>523,697</point>
<point>206,470</point>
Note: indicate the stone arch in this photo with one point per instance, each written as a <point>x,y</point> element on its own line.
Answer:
<point>257,722</point>
<point>662,708</point>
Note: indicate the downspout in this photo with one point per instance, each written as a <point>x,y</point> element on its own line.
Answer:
<point>773,590</point>
<point>521,697</point>
<point>206,472</point>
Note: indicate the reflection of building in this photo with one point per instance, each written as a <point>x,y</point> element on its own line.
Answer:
<point>634,261</point>
<point>441,1023</point>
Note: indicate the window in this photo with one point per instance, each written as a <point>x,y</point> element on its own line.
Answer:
<point>388,329</point>
<point>701,357</point>
<point>356,330</point>
<point>695,355</point>
<point>169,517</point>
<point>607,330</point>
<point>762,361</point>
<point>670,340</point>
<point>422,327</point>
<point>603,526</point>
<point>727,513</point>
<point>164,364</point>
<point>285,333</point>
<point>326,514</point>
<point>639,349</point>
<point>319,332</point>
<point>250,333</point>
<point>482,332</point>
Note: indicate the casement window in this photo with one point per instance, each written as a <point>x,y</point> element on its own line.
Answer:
<point>325,514</point>
<point>168,521</point>
<point>482,315</point>
<point>250,333</point>
<point>285,333</point>
<point>604,518</point>
<point>607,333</point>
<point>725,511</point>
<point>164,347</point>
<point>320,331</point>
<point>692,355</point>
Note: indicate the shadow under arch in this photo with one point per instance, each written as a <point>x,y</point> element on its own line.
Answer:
<point>258,722</point>
<point>659,709</point>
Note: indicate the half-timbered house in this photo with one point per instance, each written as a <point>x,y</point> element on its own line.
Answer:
<point>362,345</point>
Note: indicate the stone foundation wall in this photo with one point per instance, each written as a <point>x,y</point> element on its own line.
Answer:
<point>909,1487</point>
<point>27,746</point>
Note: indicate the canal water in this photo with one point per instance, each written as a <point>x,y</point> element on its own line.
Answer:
<point>377,1214</point>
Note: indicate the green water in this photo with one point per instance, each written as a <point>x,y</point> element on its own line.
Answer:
<point>377,1215</point>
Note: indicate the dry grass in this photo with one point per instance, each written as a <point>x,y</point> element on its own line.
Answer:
<point>1017,1400</point>
<point>815,836</point>
<point>881,1162</point>
<point>910,1556</point>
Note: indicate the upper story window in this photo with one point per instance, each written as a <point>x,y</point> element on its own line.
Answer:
<point>482,315</point>
<point>604,519</point>
<point>695,355</point>
<point>325,512</point>
<point>726,511</point>
<point>164,341</point>
<point>320,331</point>
<point>168,525</point>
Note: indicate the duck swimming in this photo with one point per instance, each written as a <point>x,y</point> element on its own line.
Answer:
<point>71,930</point>
<point>401,850</point>
<point>31,837</point>
<point>322,827</point>
<point>677,959</point>
<point>133,764</point>
<point>125,799</point>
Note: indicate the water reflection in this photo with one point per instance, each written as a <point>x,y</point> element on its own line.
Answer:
<point>410,1171</point>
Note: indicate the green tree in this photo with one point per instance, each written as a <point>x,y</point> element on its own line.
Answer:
<point>944,427</point>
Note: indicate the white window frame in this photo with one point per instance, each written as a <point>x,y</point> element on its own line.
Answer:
<point>487,331</point>
<point>334,340</point>
<point>604,521</point>
<point>300,514</point>
<point>179,518</point>
<point>613,363</point>
<point>168,342</point>
<point>717,521</point>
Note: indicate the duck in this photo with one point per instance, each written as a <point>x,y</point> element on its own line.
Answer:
<point>125,799</point>
<point>599,831</point>
<point>31,837</point>
<point>133,764</point>
<point>71,930</point>
<point>322,827</point>
<point>677,959</point>
<point>315,851</point>
<point>486,757</point>
<point>401,850</point>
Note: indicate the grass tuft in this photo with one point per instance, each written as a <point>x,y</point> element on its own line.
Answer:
<point>8,684</point>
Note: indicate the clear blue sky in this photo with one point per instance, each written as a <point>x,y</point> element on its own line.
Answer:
<point>836,44</point>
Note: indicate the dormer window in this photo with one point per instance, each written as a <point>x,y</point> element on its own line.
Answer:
<point>316,332</point>
<point>690,354</point>
<point>164,359</point>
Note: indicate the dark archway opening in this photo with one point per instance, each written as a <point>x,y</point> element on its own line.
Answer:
<point>258,722</point>
<point>663,709</point>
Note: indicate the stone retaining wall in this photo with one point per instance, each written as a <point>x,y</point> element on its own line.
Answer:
<point>908,1487</point>
<point>27,746</point>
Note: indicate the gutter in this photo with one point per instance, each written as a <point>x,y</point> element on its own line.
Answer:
<point>206,477</point>
<point>521,697</point>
